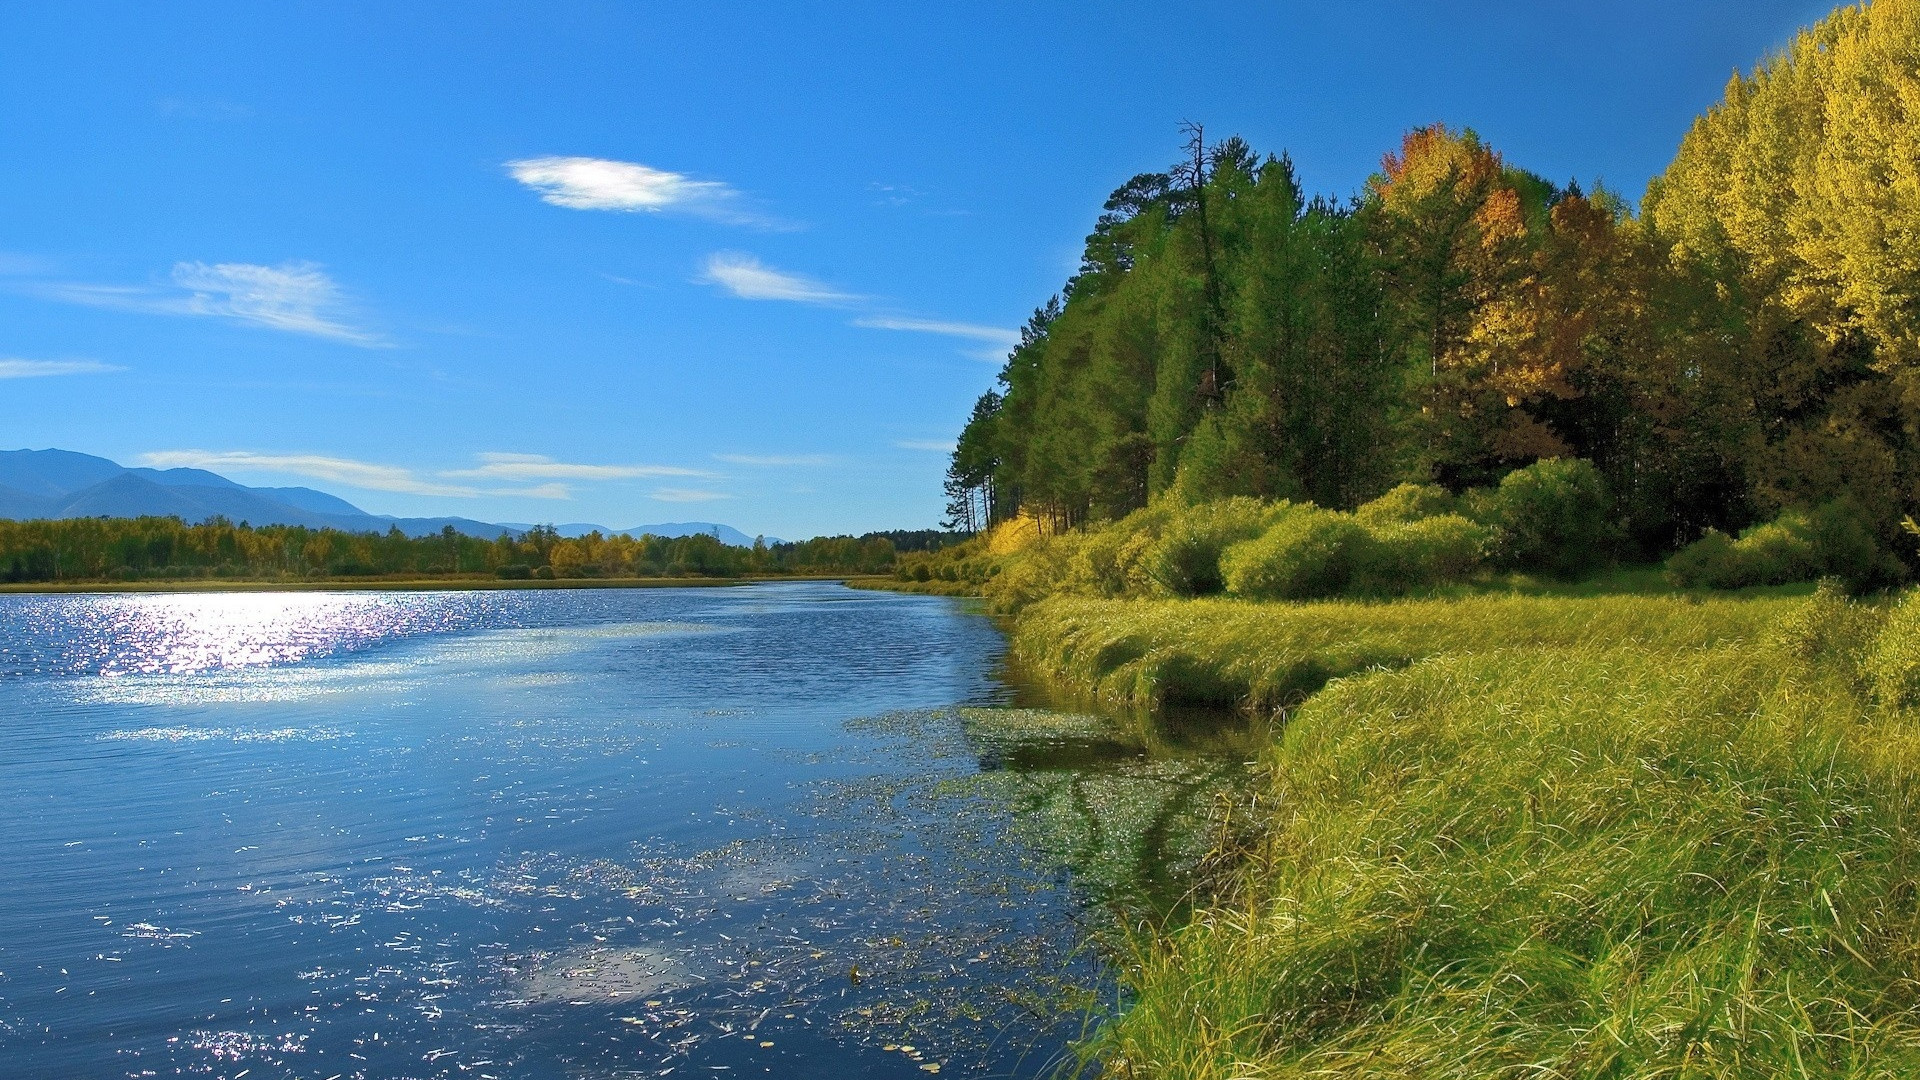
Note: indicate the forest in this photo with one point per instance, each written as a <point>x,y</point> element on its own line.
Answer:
<point>1744,343</point>
<point>155,549</point>
<point>1496,506</point>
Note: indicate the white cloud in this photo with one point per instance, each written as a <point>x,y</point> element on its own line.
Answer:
<point>932,446</point>
<point>994,334</point>
<point>684,495</point>
<point>540,491</point>
<point>537,467</point>
<point>367,475</point>
<point>776,460</point>
<point>11,368</point>
<point>297,297</point>
<point>749,279</point>
<point>589,183</point>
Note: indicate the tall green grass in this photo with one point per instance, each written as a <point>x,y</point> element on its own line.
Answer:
<point>1627,837</point>
<point>1150,654</point>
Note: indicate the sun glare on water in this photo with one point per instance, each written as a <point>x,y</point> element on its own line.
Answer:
<point>189,634</point>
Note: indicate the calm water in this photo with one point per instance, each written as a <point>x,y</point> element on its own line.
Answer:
<point>789,829</point>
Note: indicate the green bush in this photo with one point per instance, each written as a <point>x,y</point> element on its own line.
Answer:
<point>1113,558</point>
<point>1407,503</point>
<point>1707,563</point>
<point>1309,554</point>
<point>1553,516</point>
<point>1832,632</point>
<point>1774,553</point>
<point>1041,570</point>
<point>1893,668</point>
<point>1849,550</point>
<point>1798,545</point>
<point>1407,555</point>
<point>1185,559</point>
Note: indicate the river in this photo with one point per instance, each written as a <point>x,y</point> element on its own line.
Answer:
<point>787,829</point>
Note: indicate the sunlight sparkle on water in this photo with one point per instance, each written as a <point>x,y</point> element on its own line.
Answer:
<point>189,634</point>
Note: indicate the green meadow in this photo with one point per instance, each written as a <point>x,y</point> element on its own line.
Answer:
<point>1623,837</point>
<point>1507,835</point>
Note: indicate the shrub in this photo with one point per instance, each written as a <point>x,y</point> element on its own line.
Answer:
<point>1832,632</point>
<point>1407,503</point>
<point>1848,549</point>
<point>1420,554</point>
<point>1774,553</point>
<point>1893,668</point>
<point>1554,515</point>
<point>1708,562</point>
<point>1796,546</point>
<point>1113,559</point>
<point>1185,559</point>
<point>1310,553</point>
<point>1042,569</point>
<point>1013,535</point>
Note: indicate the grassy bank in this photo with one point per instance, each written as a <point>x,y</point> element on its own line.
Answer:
<point>1544,837</point>
<point>1154,653</point>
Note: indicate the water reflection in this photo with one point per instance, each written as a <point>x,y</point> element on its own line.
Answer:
<point>557,834</point>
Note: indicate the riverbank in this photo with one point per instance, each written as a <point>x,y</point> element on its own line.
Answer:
<point>398,584</point>
<point>1631,836</point>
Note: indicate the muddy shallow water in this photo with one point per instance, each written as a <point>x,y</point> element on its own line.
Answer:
<point>791,830</point>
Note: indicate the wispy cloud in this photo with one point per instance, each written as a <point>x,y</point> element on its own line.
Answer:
<point>776,460</point>
<point>538,467</point>
<point>297,297</point>
<point>11,368</point>
<point>361,474</point>
<point>749,279</point>
<point>590,183</point>
<point>932,446</point>
<point>367,475</point>
<point>997,335</point>
<point>686,495</point>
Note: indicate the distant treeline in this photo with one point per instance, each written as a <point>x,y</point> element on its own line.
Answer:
<point>155,548</point>
<point>1744,342</point>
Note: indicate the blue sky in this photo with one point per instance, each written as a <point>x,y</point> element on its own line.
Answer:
<point>642,262</point>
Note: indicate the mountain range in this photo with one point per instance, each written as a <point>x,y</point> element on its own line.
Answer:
<point>36,484</point>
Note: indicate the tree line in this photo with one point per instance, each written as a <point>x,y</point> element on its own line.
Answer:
<point>1744,342</point>
<point>101,549</point>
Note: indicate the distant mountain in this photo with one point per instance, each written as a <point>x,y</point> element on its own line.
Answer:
<point>62,484</point>
<point>53,473</point>
<point>21,506</point>
<point>183,477</point>
<point>308,499</point>
<point>727,533</point>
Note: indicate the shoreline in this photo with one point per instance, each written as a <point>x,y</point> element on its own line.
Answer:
<point>217,585</point>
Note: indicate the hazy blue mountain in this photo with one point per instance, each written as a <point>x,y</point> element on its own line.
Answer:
<point>317,501</point>
<point>132,495</point>
<point>63,484</point>
<point>428,526</point>
<point>184,478</point>
<point>19,505</point>
<point>53,473</point>
<point>727,533</point>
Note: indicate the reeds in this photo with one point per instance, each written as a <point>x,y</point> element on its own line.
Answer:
<point>1614,837</point>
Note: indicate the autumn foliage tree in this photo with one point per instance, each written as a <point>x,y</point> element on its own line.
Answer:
<point>1746,343</point>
